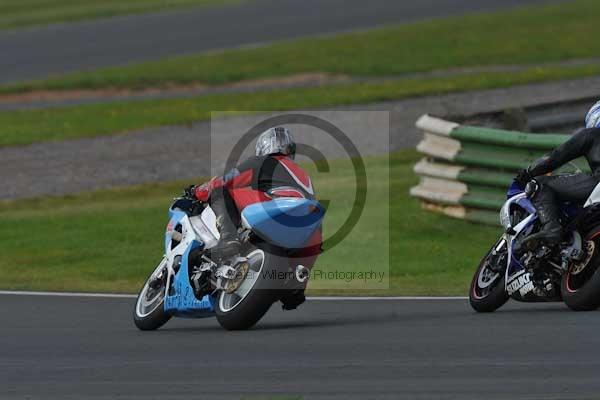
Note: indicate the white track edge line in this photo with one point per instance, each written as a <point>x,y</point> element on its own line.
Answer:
<point>66,294</point>
<point>368,298</point>
<point>317,298</point>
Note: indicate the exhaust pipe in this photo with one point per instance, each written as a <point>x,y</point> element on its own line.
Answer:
<point>302,273</point>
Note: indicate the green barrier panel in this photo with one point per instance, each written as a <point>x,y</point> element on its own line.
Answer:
<point>473,175</point>
<point>484,197</point>
<point>512,159</point>
<point>485,177</point>
<point>508,138</point>
<point>495,156</point>
<point>445,192</point>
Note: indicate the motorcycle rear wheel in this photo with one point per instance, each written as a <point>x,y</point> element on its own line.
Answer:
<point>581,291</point>
<point>243,308</point>
<point>487,292</point>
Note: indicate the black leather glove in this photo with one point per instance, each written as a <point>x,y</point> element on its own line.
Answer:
<point>523,177</point>
<point>190,193</point>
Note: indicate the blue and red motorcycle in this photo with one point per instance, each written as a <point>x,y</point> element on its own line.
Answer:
<point>280,242</point>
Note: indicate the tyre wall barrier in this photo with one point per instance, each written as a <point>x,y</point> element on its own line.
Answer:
<point>466,170</point>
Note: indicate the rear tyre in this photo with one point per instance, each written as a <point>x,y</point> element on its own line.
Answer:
<point>149,311</point>
<point>580,286</point>
<point>243,308</point>
<point>487,292</point>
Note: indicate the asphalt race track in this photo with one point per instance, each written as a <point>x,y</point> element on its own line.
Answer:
<point>73,347</point>
<point>37,52</point>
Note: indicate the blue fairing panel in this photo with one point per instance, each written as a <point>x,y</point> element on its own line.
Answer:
<point>175,218</point>
<point>526,204</point>
<point>180,300</point>
<point>285,222</point>
<point>514,189</point>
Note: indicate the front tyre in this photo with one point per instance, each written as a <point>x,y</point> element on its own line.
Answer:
<point>580,286</point>
<point>245,306</point>
<point>487,292</point>
<point>149,312</point>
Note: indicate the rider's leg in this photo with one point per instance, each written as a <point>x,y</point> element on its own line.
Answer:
<point>575,188</point>
<point>551,191</point>
<point>546,204</point>
<point>227,221</point>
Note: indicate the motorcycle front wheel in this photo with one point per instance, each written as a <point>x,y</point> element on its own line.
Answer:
<point>149,312</point>
<point>257,290</point>
<point>487,292</point>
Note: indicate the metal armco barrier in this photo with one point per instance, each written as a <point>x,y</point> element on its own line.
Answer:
<point>466,170</point>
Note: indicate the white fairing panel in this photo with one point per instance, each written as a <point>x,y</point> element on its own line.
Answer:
<point>594,197</point>
<point>205,226</point>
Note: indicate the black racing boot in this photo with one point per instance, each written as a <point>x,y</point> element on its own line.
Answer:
<point>550,234</point>
<point>227,247</point>
<point>548,214</point>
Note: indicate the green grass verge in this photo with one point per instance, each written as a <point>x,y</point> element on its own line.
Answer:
<point>109,240</point>
<point>30,126</point>
<point>524,36</point>
<point>15,14</point>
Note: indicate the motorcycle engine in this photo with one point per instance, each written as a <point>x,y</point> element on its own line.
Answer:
<point>201,283</point>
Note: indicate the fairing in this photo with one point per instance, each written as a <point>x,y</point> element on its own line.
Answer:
<point>517,279</point>
<point>286,222</point>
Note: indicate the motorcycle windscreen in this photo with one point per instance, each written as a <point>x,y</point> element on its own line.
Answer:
<point>285,222</point>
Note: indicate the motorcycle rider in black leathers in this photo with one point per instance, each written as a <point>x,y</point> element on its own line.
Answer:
<point>547,192</point>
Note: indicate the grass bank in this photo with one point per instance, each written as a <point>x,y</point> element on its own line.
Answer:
<point>21,13</point>
<point>30,126</point>
<point>109,240</point>
<point>530,35</point>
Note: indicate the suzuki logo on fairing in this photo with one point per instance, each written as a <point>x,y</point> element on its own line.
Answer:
<point>521,283</point>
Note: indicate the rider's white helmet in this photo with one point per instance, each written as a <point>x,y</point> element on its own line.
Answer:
<point>592,119</point>
<point>277,140</point>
